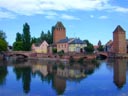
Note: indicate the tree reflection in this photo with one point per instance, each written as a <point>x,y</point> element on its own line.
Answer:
<point>3,74</point>
<point>24,74</point>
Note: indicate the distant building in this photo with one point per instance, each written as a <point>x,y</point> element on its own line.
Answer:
<point>40,48</point>
<point>119,40</point>
<point>59,32</point>
<point>108,46</point>
<point>71,45</point>
<point>77,45</point>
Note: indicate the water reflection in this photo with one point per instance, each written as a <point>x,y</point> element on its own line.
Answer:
<point>24,73</point>
<point>3,72</point>
<point>120,72</point>
<point>56,73</point>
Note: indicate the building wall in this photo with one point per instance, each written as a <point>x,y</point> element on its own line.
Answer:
<point>76,47</point>
<point>58,34</point>
<point>119,42</point>
<point>62,46</point>
<point>40,49</point>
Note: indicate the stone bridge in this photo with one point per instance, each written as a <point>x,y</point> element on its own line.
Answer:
<point>102,55</point>
<point>24,54</point>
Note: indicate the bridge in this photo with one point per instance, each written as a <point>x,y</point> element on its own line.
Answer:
<point>102,55</point>
<point>18,54</point>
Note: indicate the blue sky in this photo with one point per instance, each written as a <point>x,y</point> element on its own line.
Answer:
<point>93,20</point>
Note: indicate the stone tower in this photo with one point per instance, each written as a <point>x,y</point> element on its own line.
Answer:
<point>59,32</point>
<point>119,40</point>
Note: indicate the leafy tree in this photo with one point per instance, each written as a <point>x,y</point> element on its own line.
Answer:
<point>18,46</point>
<point>100,48</point>
<point>2,35</point>
<point>89,48</point>
<point>18,37</point>
<point>33,40</point>
<point>26,37</point>
<point>46,36</point>
<point>3,45</point>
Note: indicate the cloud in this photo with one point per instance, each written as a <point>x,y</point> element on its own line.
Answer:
<point>6,15</point>
<point>69,17</point>
<point>120,9</point>
<point>103,17</point>
<point>33,7</point>
<point>91,16</point>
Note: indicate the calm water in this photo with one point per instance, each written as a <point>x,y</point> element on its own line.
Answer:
<point>48,78</point>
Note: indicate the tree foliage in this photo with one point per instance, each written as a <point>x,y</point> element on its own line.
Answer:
<point>18,46</point>
<point>46,36</point>
<point>2,35</point>
<point>3,45</point>
<point>18,37</point>
<point>89,48</point>
<point>26,37</point>
<point>100,48</point>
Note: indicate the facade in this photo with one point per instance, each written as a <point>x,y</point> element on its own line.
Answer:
<point>108,46</point>
<point>77,45</point>
<point>119,40</point>
<point>41,48</point>
<point>71,45</point>
<point>63,45</point>
<point>59,32</point>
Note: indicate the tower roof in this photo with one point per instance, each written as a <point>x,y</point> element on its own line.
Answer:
<point>59,25</point>
<point>119,29</point>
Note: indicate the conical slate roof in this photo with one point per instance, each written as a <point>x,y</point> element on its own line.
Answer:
<point>59,25</point>
<point>119,29</point>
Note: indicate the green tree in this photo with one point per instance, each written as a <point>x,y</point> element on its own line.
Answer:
<point>2,35</point>
<point>18,37</point>
<point>26,37</point>
<point>18,46</point>
<point>100,48</point>
<point>33,40</point>
<point>3,45</point>
<point>89,48</point>
<point>46,36</point>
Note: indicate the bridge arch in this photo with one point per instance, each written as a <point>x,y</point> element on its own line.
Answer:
<point>101,55</point>
<point>18,55</point>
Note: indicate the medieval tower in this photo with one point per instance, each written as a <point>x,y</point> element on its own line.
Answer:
<point>119,40</point>
<point>59,32</point>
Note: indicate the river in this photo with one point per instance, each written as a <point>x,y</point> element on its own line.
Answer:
<point>51,78</point>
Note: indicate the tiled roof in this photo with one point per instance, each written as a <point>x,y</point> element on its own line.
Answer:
<point>119,29</point>
<point>77,41</point>
<point>65,40</point>
<point>59,25</point>
<point>109,43</point>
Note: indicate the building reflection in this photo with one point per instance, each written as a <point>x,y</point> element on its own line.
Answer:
<point>120,72</point>
<point>51,72</point>
<point>59,84</point>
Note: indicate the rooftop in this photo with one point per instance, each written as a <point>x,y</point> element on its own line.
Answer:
<point>119,29</point>
<point>59,25</point>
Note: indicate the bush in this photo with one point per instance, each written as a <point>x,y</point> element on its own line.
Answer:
<point>54,50</point>
<point>61,53</point>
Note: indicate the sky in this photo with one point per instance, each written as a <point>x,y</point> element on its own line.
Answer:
<point>92,20</point>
